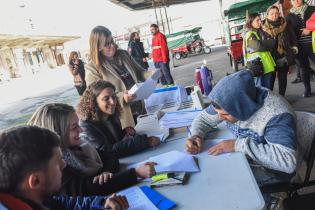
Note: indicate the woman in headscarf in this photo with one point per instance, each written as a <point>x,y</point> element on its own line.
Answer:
<point>277,28</point>
<point>299,14</point>
<point>263,124</point>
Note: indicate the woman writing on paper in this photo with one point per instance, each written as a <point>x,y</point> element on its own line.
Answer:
<point>115,65</point>
<point>87,170</point>
<point>99,111</point>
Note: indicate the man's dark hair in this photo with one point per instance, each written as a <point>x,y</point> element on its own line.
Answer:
<point>23,150</point>
<point>154,25</point>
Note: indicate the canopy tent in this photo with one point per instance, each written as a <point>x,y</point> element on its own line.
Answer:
<point>193,31</point>
<point>239,10</point>
<point>149,4</point>
<point>181,38</point>
<point>27,41</point>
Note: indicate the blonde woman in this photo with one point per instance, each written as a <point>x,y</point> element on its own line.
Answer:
<point>116,66</point>
<point>86,172</point>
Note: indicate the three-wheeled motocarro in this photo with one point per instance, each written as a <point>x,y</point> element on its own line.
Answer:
<point>186,42</point>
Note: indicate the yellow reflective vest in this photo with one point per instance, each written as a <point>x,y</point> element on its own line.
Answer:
<point>313,41</point>
<point>266,58</point>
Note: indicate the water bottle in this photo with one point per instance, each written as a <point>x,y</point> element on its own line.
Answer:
<point>198,80</point>
<point>206,77</point>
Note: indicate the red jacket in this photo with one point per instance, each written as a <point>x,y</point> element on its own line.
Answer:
<point>13,203</point>
<point>159,48</point>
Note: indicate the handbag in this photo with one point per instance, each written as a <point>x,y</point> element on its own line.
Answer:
<point>255,65</point>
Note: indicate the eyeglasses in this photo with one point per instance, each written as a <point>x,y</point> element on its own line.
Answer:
<point>107,44</point>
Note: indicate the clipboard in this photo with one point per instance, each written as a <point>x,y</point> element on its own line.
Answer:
<point>157,199</point>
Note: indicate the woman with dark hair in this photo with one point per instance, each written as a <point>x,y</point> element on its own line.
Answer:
<point>76,68</point>
<point>257,46</point>
<point>277,28</point>
<point>136,50</point>
<point>87,170</point>
<point>99,111</point>
<point>115,65</point>
<point>299,14</point>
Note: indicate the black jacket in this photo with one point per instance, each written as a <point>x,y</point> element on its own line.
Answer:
<point>74,184</point>
<point>289,41</point>
<point>120,145</point>
<point>137,53</point>
<point>261,45</point>
<point>297,23</point>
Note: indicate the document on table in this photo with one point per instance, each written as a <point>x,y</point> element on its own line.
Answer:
<point>178,119</point>
<point>174,161</point>
<point>145,89</point>
<point>137,199</point>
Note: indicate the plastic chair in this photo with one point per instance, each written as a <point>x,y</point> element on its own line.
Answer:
<point>306,142</point>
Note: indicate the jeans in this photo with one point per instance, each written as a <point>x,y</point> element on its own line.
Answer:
<point>264,81</point>
<point>166,78</point>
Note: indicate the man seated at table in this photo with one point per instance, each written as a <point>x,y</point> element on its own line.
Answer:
<point>30,173</point>
<point>262,122</point>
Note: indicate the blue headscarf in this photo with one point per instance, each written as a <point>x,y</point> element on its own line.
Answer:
<point>238,95</point>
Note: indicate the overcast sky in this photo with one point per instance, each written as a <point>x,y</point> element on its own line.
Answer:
<point>78,17</point>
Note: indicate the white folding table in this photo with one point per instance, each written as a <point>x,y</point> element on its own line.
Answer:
<point>224,181</point>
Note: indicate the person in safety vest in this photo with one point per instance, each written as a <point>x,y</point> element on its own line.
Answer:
<point>160,55</point>
<point>257,45</point>
<point>299,14</point>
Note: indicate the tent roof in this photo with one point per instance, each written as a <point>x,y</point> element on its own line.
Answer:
<point>149,4</point>
<point>239,9</point>
<point>28,41</point>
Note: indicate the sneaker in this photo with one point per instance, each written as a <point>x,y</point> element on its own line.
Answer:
<point>307,95</point>
<point>297,80</point>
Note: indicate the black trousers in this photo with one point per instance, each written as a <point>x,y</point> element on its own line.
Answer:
<point>302,60</point>
<point>282,74</point>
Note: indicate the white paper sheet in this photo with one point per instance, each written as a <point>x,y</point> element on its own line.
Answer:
<point>178,119</point>
<point>145,89</point>
<point>137,199</point>
<point>149,125</point>
<point>174,161</point>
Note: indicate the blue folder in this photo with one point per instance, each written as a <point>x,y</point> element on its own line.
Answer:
<point>157,199</point>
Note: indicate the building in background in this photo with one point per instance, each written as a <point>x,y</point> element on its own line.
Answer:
<point>26,54</point>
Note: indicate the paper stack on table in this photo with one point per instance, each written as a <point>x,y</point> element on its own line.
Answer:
<point>178,119</point>
<point>149,125</point>
<point>174,161</point>
<point>145,89</point>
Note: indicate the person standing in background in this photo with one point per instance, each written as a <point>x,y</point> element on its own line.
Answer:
<point>136,50</point>
<point>277,28</point>
<point>299,14</point>
<point>160,55</point>
<point>76,68</point>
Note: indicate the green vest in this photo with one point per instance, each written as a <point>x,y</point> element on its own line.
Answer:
<point>266,58</point>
